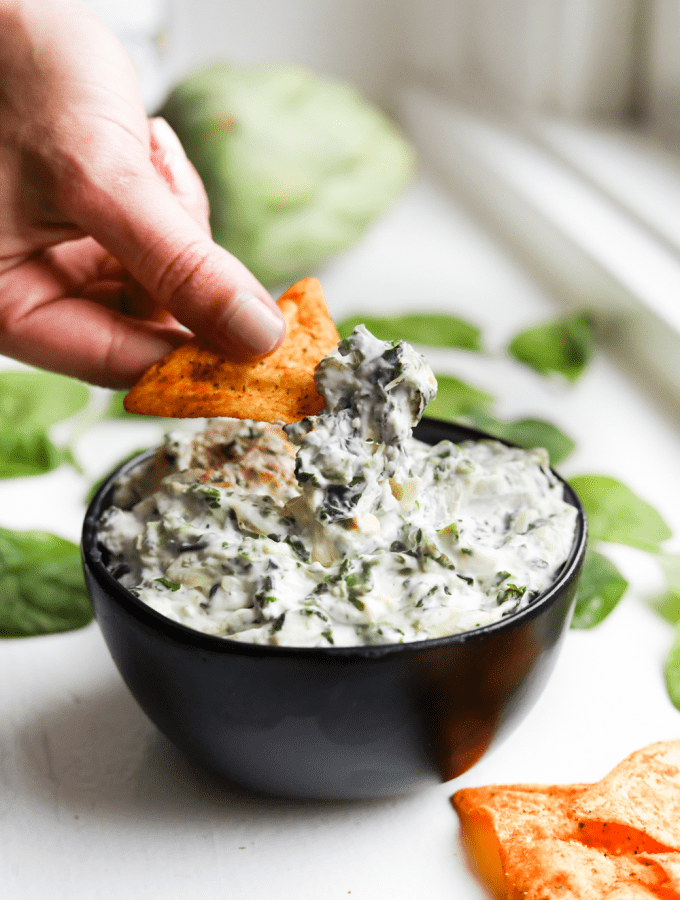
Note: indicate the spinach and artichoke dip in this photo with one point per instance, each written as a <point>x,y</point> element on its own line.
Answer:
<point>341,529</point>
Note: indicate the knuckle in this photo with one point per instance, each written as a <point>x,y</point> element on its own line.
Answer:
<point>181,274</point>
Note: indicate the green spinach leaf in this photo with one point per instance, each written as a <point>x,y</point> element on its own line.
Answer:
<point>670,565</point>
<point>672,671</point>
<point>564,346</point>
<point>527,433</point>
<point>668,604</point>
<point>24,454</point>
<point>32,401</point>
<point>432,329</point>
<point>600,588</point>
<point>618,515</point>
<point>42,589</point>
<point>455,398</point>
<point>116,410</point>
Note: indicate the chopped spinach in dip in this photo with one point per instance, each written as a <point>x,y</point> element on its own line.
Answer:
<point>341,529</point>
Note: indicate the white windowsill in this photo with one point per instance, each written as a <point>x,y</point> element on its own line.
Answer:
<point>594,214</point>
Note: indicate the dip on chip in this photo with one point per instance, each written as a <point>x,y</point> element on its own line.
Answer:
<point>195,381</point>
<point>618,838</point>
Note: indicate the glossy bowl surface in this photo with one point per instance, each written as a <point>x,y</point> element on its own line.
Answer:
<point>336,722</point>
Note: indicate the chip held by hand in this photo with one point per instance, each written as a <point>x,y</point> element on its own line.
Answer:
<point>195,381</point>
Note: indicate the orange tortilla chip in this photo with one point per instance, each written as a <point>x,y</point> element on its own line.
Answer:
<point>500,822</point>
<point>641,793</point>
<point>196,381</point>
<point>619,838</point>
<point>556,869</point>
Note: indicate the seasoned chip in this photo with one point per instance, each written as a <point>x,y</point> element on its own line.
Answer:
<point>556,869</point>
<point>499,823</point>
<point>196,381</point>
<point>617,839</point>
<point>642,793</point>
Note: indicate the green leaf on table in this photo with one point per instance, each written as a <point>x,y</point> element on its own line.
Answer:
<point>115,409</point>
<point>42,589</point>
<point>672,671</point>
<point>670,566</point>
<point>618,515</point>
<point>455,398</point>
<point>527,433</point>
<point>22,455</point>
<point>668,604</point>
<point>32,401</point>
<point>600,588</point>
<point>564,346</point>
<point>432,329</point>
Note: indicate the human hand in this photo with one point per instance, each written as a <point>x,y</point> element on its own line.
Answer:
<point>104,239</point>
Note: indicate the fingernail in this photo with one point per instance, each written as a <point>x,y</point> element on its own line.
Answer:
<point>253,324</point>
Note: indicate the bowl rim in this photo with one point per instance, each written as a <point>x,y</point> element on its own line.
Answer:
<point>176,631</point>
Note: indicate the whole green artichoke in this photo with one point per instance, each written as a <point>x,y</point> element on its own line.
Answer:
<point>295,166</point>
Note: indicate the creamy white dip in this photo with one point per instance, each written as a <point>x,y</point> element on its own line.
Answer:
<point>343,530</point>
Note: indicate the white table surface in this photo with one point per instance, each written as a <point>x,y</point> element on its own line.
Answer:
<point>95,803</point>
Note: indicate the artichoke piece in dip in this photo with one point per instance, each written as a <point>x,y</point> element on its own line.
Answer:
<point>341,529</point>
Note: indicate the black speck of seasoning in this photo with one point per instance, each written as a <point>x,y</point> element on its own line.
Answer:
<point>188,547</point>
<point>120,570</point>
<point>213,590</point>
<point>278,622</point>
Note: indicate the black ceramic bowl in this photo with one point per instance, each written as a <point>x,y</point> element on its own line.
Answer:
<point>336,722</point>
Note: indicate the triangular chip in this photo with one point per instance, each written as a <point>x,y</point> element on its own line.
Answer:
<point>500,821</point>
<point>525,845</point>
<point>195,381</point>
<point>642,792</point>
<point>617,839</point>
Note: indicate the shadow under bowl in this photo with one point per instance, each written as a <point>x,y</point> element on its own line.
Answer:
<point>336,722</point>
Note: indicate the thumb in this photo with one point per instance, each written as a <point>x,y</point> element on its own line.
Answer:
<point>139,220</point>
